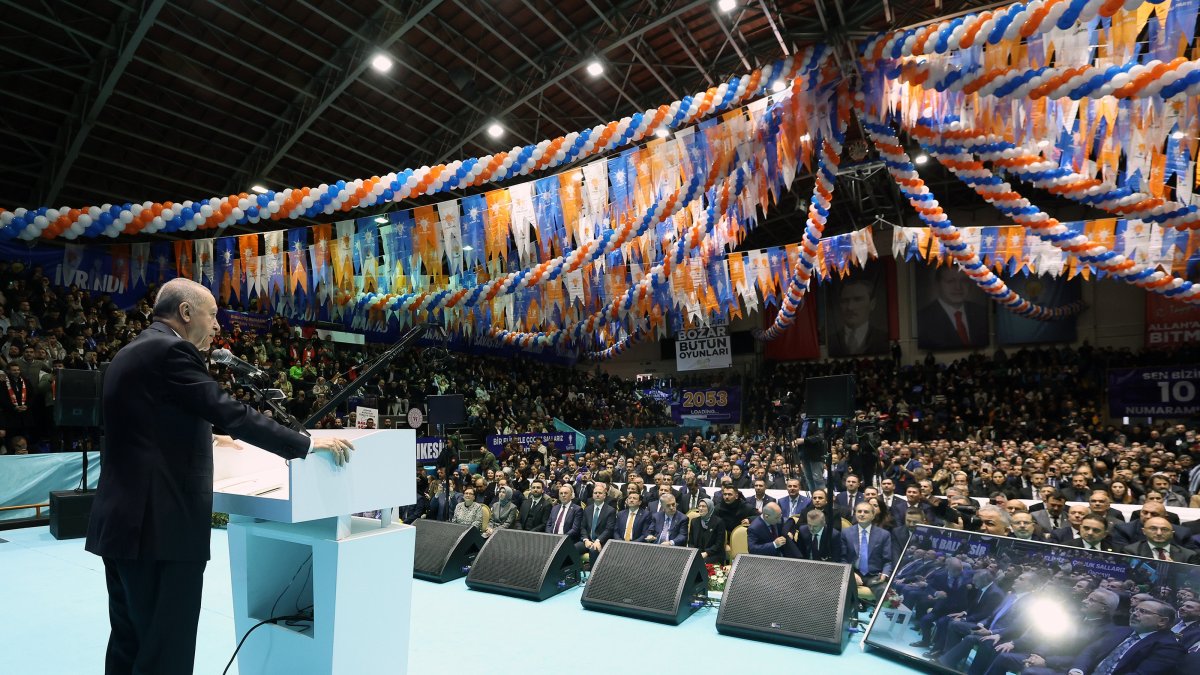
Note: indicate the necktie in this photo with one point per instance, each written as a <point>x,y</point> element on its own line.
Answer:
<point>1162,554</point>
<point>595,522</point>
<point>864,552</point>
<point>558,522</point>
<point>665,535</point>
<point>1109,664</point>
<point>813,552</point>
<point>1054,522</point>
<point>629,526</point>
<point>961,327</point>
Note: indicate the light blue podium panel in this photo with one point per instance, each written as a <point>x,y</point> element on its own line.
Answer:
<point>293,545</point>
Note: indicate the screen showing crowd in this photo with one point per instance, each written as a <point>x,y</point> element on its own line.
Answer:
<point>986,605</point>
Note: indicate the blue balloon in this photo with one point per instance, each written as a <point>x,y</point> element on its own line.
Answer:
<point>252,212</point>
<point>187,214</point>
<point>388,195</point>
<point>263,200</point>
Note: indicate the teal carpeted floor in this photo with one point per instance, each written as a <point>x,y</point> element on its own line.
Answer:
<point>55,622</point>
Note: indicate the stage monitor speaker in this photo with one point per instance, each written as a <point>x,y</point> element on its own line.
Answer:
<point>77,398</point>
<point>801,603</point>
<point>444,550</point>
<point>69,513</point>
<point>831,396</point>
<point>446,410</point>
<point>647,581</point>
<point>530,565</point>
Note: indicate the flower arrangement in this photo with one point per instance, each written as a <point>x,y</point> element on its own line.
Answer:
<point>717,574</point>
<point>220,520</point>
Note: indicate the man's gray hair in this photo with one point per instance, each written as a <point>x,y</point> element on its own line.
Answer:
<point>176,292</point>
<point>999,513</point>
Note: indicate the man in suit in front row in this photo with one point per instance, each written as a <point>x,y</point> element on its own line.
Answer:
<point>1145,647</point>
<point>566,515</point>
<point>535,510</point>
<point>633,522</point>
<point>971,606</point>
<point>814,540</point>
<point>1093,534</point>
<point>670,525</point>
<point>1158,544</point>
<point>869,549</point>
<point>1041,653</point>
<point>794,503</point>
<point>764,536</point>
<point>152,517</point>
<point>995,634</point>
<point>598,521</point>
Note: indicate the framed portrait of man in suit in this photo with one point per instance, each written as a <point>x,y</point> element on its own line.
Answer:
<point>952,313</point>
<point>857,313</point>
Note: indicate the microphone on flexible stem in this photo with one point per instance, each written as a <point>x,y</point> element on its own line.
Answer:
<point>226,358</point>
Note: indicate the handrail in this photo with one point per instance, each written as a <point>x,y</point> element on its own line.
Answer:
<point>36,507</point>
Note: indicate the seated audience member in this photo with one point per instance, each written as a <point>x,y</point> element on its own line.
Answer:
<point>815,541</point>
<point>764,536</point>
<point>733,509</point>
<point>1158,543</point>
<point>504,512</point>
<point>633,522</point>
<point>794,503</point>
<point>707,533</point>
<point>1146,646</point>
<point>1070,531</point>
<point>1024,527</point>
<point>995,634</point>
<point>1093,534</point>
<point>469,511</point>
<point>1040,653</point>
<point>598,521</point>
<point>566,515</point>
<point>868,549</point>
<point>967,609</point>
<point>441,507</point>
<point>535,511</point>
<point>669,524</point>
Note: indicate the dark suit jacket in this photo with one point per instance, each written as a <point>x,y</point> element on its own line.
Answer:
<point>1105,545</point>
<point>604,527</point>
<point>1042,517</point>
<point>643,524</point>
<point>876,342</point>
<point>678,532</point>
<point>753,501</point>
<point>761,541</point>
<point>571,521</point>
<point>1177,553</point>
<point>789,510</point>
<point>1190,635</point>
<point>1015,622</point>
<point>936,331</point>
<point>438,510</point>
<point>828,540</point>
<point>156,481</point>
<point>1159,653</point>
<point>879,549</point>
<point>978,605</point>
<point>535,518</point>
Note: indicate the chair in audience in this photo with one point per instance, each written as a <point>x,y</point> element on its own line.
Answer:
<point>738,542</point>
<point>487,518</point>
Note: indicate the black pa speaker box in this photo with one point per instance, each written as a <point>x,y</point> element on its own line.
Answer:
<point>69,513</point>
<point>801,603</point>
<point>831,396</point>
<point>77,398</point>
<point>530,565</point>
<point>446,410</point>
<point>647,581</point>
<point>444,550</point>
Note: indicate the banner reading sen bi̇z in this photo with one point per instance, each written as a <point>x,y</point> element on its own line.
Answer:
<point>563,441</point>
<point>1154,392</point>
<point>720,405</point>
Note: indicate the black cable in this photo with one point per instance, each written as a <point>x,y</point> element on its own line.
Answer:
<point>277,619</point>
<point>285,589</point>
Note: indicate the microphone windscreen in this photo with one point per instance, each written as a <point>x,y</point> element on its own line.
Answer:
<point>222,356</point>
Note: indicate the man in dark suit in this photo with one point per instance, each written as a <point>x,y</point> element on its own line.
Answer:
<point>1053,516</point>
<point>1039,653</point>
<point>633,522</point>
<point>1159,532</point>
<point>1093,534</point>
<point>844,502</point>
<point>441,508</point>
<point>967,609</point>
<point>535,510</point>
<point>995,634</point>
<point>793,504</point>
<point>765,536</point>
<point>152,515</point>
<point>670,525</point>
<point>760,498</point>
<point>566,515</point>
<point>1101,504</point>
<point>814,540</point>
<point>951,321</point>
<point>855,335</point>
<point>869,549</point>
<point>599,520</point>
<point>1146,647</point>
<point>1188,628</point>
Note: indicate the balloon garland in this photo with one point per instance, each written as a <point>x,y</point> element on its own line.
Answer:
<point>1000,194</point>
<point>220,212</point>
<point>904,173</point>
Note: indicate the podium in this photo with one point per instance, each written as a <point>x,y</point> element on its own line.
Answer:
<point>293,545</point>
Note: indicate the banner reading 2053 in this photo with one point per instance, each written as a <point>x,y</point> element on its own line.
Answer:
<point>720,405</point>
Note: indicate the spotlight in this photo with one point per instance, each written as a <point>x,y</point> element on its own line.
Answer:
<point>595,68</point>
<point>495,130</point>
<point>468,247</point>
<point>382,63</point>
<point>259,189</point>
<point>382,220</point>
<point>1177,135</point>
<point>662,132</point>
<point>922,158</point>
<point>726,6</point>
<point>778,86</point>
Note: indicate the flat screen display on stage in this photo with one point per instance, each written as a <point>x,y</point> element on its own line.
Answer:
<point>970,603</point>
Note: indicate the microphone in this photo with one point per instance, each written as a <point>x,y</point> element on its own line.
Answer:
<point>226,358</point>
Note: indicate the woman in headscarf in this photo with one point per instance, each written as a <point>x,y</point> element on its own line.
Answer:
<point>469,511</point>
<point>504,512</point>
<point>707,533</point>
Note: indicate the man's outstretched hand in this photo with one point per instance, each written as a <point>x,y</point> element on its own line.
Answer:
<point>340,448</point>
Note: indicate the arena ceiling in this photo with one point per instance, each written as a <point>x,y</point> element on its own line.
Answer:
<point>120,100</point>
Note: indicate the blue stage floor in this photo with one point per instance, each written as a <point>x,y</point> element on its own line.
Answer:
<point>54,621</point>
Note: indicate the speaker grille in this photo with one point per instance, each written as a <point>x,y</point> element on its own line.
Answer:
<point>794,597</point>
<point>646,576</point>
<point>436,541</point>
<point>516,559</point>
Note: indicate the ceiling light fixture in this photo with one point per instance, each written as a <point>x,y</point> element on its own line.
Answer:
<point>1177,135</point>
<point>259,189</point>
<point>726,6</point>
<point>495,130</point>
<point>778,86</point>
<point>468,247</point>
<point>662,132</point>
<point>382,220</point>
<point>382,63</point>
<point>595,68</point>
<point>922,158</point>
